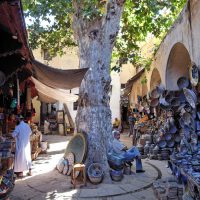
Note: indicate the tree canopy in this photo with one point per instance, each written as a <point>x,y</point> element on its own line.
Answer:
<point>50,24</point>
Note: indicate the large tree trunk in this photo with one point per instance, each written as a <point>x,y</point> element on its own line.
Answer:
<point>95,41</point>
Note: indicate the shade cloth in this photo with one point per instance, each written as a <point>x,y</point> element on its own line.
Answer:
<point>46,99</point>
<point>56,94</point>
<point>58,78</point>
<point>130,82</point>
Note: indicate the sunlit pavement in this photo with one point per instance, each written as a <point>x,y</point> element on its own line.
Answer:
<point>48,183</point>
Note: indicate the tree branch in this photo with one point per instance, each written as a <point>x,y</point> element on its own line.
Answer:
<point>114,9</point>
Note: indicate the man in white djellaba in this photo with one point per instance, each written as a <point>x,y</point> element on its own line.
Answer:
<point>22,134</point>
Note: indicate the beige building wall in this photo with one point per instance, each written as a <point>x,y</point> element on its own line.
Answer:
<point>127,71</point>
<point>68,61</point>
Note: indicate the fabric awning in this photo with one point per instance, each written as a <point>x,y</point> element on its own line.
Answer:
<point>46,99</point>
<point>58,78</point>
<point>52,93</point>
<point>130,82</point>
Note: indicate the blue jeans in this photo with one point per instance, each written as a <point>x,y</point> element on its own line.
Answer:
<point>132,154</point>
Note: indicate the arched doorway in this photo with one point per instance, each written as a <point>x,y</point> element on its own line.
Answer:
<point>177,66</point>
<point>155,79</point>
<point>144,89</point>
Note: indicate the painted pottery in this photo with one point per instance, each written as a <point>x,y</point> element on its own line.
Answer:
<point>182,82</point>
<point>194,74</point>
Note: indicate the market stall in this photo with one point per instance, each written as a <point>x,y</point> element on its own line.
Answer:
<point>174,134</point>
<point>7,178</point>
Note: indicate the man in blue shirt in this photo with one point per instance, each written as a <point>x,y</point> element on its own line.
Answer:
<point>128,154</point>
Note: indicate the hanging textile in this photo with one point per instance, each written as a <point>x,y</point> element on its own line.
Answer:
<point>56,94</point>
<point>58,78</point>
<point>46,99</point>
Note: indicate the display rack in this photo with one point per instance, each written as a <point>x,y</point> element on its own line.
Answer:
<point>191,184</point>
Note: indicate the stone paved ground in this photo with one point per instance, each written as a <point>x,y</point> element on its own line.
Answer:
<point>47,183</point>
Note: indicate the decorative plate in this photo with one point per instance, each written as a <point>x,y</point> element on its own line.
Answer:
<point>70,158</point>
<point>194,75</point>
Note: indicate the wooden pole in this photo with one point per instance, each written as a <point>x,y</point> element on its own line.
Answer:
<point>18,95</point>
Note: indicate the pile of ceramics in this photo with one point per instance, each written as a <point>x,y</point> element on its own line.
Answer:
<point>6,183</point>
<point>5,148</point>
<point>65,164</point>
<point>165,189</point>
<point>189,163</point>
<point>6,154</point>
<point>178,122</point>
<point>183,124</point>
<point>188,155</point>
<point>152,149</point>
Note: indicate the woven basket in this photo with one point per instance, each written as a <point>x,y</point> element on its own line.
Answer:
<point>78,146</point>
<point>116,175</point>
<point>95,173</point>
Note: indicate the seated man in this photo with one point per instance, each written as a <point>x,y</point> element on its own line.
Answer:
<point>128,154</point>
<point>116,123</point>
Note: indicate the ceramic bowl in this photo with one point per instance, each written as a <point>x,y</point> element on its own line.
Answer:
<point>155,94</point>
<point>177,138</point>
<point>170,143</point>
<point>172,129</point>
<point>182,82</point>
<point>190,97</point>
<point>162,143</point>
<point>168,136</point>
<point>194,75</point>
<point>175,102</point>
<point>154,103</point>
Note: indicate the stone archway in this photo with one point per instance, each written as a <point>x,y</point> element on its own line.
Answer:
<point>144,89</point>
<point>155,79</point>
<point>177,66</point>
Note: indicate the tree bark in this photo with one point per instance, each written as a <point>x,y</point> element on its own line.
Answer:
<point>96,40</point>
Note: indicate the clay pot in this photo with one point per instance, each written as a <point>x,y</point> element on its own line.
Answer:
<point>194,75</point>
<point>168,136</point>
<point>162,143</point>
<point>155,94</point>
<point>172,129</point>
<point>170,143</point>
<point>175,102</point>
<point>154,103</point>
<point>177,138</point>
<point>187,118</point>
<point>190,97</point>
<point>183,82</point>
